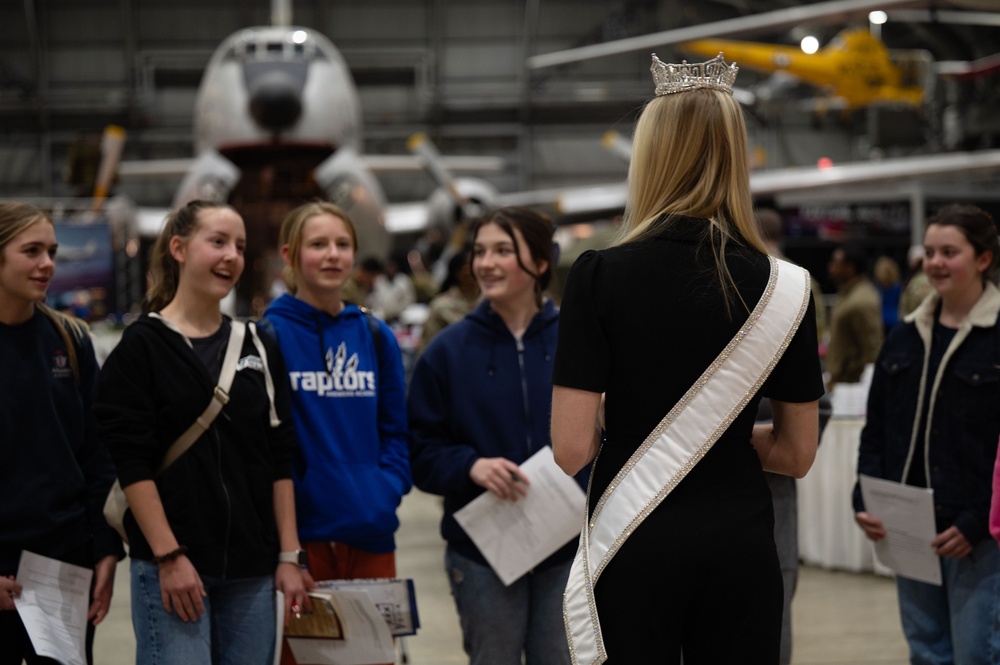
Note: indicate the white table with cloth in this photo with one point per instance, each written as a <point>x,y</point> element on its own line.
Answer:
<point>828,535</point>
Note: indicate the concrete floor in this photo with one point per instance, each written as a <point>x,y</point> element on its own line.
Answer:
<point>838,618</point>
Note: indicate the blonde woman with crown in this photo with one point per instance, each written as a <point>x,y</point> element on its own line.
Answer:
<point>677,552</point>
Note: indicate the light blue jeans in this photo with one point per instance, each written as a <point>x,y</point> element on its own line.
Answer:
<point>500,623</point>
<point>959,621</point>
<point>237,627</point>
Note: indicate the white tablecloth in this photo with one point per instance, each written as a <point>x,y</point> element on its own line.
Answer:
<point>828,535</point>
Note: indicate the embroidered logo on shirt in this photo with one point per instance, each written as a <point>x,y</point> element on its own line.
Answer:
<point>60,365</point>
<point>342,378</point>
<point>251,362</point>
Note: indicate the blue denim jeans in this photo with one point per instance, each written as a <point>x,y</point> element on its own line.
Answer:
<point>959,621</point>
<point>237,627</point>
<point>500,623</point>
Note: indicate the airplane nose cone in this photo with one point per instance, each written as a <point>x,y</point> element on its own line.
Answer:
<point>274,101</point>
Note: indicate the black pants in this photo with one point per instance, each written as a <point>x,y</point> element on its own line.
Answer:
<point>699,577</point>
<point>15,646</point>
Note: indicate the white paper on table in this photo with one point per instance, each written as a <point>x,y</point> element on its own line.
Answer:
<point>53,606</point>
<point>366,635</point>
<point>515,536</point>
<point>850,400</point>
<point>907,514</point>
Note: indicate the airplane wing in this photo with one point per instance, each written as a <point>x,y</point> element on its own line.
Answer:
<point>894,169</point>
<point>837,11</point>
<point>178,168</point>
<point>602,201</point>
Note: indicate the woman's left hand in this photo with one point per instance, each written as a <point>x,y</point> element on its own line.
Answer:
<point>104,584</point>
<point>951,543</point>
<point>9,590</point>
<point>295,583</point>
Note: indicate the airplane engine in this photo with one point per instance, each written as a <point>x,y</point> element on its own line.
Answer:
<point>276,95</point>
<point>445,210</point>
<point>349,184</point>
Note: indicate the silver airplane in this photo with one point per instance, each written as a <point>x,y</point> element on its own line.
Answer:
<point>277,122</point>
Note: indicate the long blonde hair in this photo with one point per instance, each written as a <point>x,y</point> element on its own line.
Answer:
<point>291,231</point>
<point>689,158</point>
<point>15,218</point>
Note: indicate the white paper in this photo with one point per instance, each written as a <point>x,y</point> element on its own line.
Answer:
<point>515,536</point>
<point>279,624</point>
<point>366,636</point>
<point>907,514</point>
<point>392,598</point>
<point>53,607</point>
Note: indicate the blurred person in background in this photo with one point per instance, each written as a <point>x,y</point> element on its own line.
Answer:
<point>459,295</point>
<point>856,330</point>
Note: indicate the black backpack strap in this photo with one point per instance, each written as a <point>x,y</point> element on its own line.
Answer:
<point>267,328</point>
<point>377,339</point>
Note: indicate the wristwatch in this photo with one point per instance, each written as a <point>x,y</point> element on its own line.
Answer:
<point>297,557</point>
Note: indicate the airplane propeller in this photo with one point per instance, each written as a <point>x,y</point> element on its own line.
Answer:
<point>112,144</point>
<point>457,199</point>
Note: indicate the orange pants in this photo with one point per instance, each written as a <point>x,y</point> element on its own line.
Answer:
<point>337,561</point>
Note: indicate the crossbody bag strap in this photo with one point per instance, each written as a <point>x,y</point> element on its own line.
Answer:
<point>268,381</point>
<point>220,397</point>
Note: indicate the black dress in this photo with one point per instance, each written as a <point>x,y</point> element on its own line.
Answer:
<point>641,322</point>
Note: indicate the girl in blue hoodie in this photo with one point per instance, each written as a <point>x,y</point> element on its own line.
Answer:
<point>346,374</point>
<point>479,407</point>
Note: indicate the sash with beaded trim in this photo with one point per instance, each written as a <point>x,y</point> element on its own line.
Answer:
<point>677,443</point>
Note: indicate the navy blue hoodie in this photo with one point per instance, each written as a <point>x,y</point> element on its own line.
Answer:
<point>348,403</point>
<point>476,392</point>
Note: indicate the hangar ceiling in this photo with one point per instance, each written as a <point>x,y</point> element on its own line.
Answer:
<point>454,69</point>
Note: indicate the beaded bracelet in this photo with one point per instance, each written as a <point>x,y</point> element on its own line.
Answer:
<point>170,556</point>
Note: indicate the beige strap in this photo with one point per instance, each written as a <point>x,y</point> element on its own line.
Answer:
<point>268,381</point>
<point>220,397</point>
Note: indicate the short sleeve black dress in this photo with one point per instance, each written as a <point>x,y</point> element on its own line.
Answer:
<point>641,322</point>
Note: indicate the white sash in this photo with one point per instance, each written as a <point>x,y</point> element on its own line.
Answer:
<point>672,449</point>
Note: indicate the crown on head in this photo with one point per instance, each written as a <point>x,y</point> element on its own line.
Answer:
<point>714,74</point>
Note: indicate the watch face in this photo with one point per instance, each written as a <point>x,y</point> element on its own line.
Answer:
<point>303,558</point>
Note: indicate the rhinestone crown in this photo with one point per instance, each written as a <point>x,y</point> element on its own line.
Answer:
<point>714,74</point>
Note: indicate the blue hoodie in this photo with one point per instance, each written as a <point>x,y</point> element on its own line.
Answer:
<point>348,404</point>
<point>475,393</point>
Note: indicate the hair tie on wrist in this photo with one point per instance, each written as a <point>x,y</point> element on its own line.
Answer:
<point>170,556</point>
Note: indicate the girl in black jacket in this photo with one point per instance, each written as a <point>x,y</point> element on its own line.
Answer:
<point>205,533</point>
<point>55,472</point>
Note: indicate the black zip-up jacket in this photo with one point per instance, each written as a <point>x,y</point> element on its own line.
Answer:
<point>963,423</point>
<point>218,497</point>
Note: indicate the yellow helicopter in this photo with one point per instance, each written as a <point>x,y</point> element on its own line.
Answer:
<point>855,67</point>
